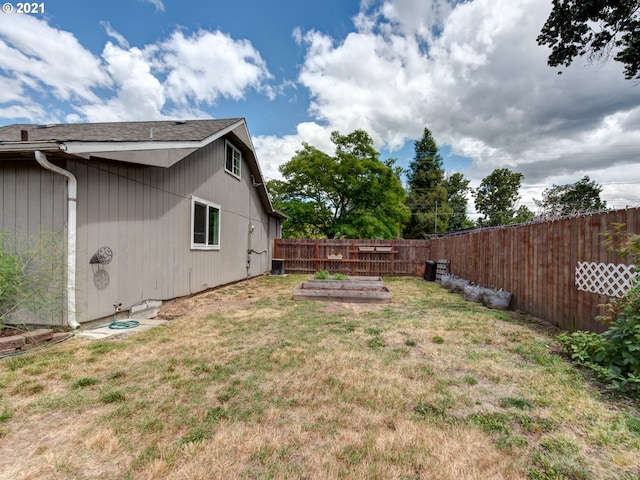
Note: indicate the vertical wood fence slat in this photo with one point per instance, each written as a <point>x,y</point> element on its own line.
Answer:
<point>535,262</point>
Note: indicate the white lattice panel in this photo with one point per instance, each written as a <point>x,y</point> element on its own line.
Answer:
<point>608,279</point>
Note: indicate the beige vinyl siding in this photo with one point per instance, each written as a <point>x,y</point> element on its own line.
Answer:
<point>144,215</point>
<point>30,197</point>
<point>33,199</point>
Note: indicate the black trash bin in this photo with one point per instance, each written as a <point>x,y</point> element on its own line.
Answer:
<point>430,271</point>
<point>277,266</point>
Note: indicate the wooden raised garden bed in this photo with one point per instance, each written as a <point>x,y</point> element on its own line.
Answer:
<point>353,289</point>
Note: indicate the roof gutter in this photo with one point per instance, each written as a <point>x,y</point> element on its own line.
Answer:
<point>72,189</point>
<point>21,147</point>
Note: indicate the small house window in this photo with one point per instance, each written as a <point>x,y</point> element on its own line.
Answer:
<point>233,160</point>
<point>205,225</point>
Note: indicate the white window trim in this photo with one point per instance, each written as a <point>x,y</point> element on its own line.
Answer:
<point>228,144</point>
<point>204,246</point>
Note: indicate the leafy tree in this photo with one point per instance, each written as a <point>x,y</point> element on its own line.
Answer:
<point>571,199</point>
<point>301,214</point>
<point>496,199</point>
<point>523,215</point>
<point>427,190</point>
<point>352,194</point>
<point>578,27</point>
<point>457,189</point>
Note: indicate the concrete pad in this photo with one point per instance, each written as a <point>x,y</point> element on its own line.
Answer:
<point>104,332</point>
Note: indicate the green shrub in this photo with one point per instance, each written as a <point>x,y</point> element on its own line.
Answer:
<point>614,355</point>
<point>325,275</point>
<point>10,276</point>
<point>32,275</point>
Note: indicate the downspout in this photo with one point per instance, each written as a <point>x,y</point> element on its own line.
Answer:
<point>72,189</point>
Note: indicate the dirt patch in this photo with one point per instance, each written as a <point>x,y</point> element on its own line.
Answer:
<point>11,331</point>
<point>219,299</point>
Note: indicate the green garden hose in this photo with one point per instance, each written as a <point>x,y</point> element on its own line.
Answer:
<point>124,324</point>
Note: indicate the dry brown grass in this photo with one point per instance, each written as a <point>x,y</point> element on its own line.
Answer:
<point>245,383</point>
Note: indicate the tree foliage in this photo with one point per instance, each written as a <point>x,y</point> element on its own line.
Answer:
<point>497,197</point>
<point>571,199</point>
<point>352,194</point>
<point>428,193</point>
<point>457,190</point>
<point>578,27</point>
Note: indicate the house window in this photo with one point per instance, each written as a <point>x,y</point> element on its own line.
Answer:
<point>205,225</point>
<point>233,160</point>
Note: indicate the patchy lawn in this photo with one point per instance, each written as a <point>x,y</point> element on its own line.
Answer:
<point>250,384</point>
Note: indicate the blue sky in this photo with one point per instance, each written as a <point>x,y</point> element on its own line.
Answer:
<point>470,71</point>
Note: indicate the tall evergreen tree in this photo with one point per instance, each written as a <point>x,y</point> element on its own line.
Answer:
<point>427,197</point>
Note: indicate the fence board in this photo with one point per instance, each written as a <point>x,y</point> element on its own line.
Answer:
<point>406,258</point>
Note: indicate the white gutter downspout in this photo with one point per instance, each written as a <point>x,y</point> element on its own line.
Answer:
<point>72,189</point>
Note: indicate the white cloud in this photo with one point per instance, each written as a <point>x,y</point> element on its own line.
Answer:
<point>22,111</point>
<point>120,40</point>
<point>363,83</point>
<point>40,64</point>
<point>10,90</point>
<point>156,3</point>
<point>420,19</point>
<point>39,56</point>
<point>274,151</point>
<point>208,65</point>
<point>473,73</point>
<point>139,94</point>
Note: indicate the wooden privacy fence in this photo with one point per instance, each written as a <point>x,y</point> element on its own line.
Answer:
<point>560,271</point>
<point>387,258</point>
